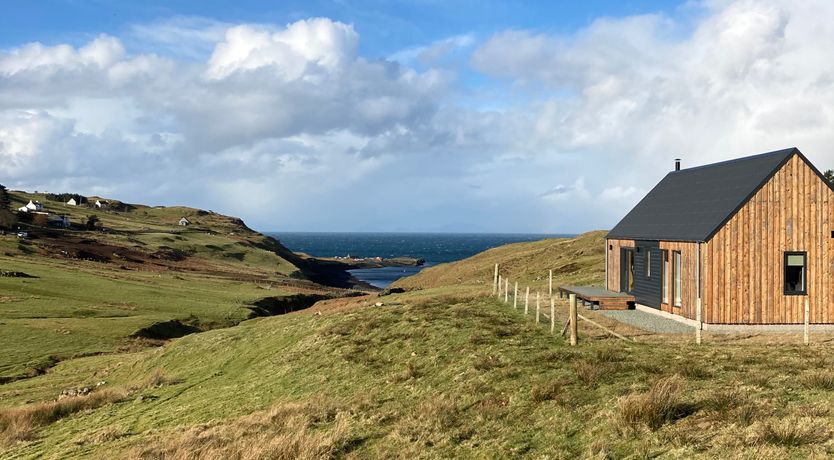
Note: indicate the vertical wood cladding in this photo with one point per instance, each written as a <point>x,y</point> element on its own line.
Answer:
<point>689,264</point>
<point>743,263</point>
<point>613,247</point>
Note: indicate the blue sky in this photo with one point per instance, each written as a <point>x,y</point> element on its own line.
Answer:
<point>551,117</point>
<point>386,26</point>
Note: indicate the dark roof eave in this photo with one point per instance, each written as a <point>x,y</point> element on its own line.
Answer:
<point>652,238</point>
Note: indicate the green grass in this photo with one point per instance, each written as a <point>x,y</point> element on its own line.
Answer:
<point>464,378</point>
<point>439,371</point>
<point>75,308</point>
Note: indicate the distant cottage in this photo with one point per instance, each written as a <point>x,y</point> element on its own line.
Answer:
<point>749,240</point>
<point>31,206</point>
<point>72,202</point>
<point>184,222</point>
<point>102,204</point>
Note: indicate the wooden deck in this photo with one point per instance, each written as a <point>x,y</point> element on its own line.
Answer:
<point>605,299</point>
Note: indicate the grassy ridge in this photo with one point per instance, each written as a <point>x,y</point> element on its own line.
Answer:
<point>577,260</point>
<point>88,292</point>
<point>438,372</point>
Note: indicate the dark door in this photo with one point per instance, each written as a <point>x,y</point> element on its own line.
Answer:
<point>627,270</point>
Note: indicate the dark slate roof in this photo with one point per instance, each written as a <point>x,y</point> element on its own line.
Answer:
<point>693,204</point>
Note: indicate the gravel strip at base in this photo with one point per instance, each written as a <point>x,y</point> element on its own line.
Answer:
<point>647,321</point>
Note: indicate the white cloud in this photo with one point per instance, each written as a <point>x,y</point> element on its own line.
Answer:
<point>206,113</point>
<point>299,50</point>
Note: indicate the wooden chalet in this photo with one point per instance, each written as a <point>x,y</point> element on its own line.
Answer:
<point>749,239</point>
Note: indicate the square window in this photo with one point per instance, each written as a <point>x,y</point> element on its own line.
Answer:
<point>796,273</point>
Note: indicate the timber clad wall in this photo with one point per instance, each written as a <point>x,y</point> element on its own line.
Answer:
<point>689,262</point>
<point>743,276</point>
<point>614,262</point>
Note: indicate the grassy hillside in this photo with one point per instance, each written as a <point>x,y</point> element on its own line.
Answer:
<point>81,292</point>
<point>437,372</point>
<point>577,260</point>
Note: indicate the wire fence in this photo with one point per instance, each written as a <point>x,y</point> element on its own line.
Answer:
<point>558,310</point>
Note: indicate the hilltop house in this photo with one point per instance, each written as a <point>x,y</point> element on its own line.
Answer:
<point>184,222</point>
<point>745,241</point>
<point>102,204</point>
<point>31,206</point>
<point>72,202</point>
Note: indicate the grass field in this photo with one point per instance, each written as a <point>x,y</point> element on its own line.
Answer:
<point>89,292</point>
<point>441,371</point>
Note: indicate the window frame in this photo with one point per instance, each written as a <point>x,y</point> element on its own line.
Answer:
<point>804,290</point>
<point>665,265</point>
<point>677,279</point>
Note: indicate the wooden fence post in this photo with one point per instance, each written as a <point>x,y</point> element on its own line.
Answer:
<point>527,300</point>
<point>550,285</point>
<point>807,315</point>
<point>495,280</point>
<point>515,296</point>
<point>506,290</point>
<point>552,315</point>
<point>698,324</point>
<point>499,286</point>
<point>538,307</point>
<point>573,326</point>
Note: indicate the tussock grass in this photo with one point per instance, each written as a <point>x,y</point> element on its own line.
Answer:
<point>488,362</point>
<point>610,355</point>
<point>21,423</point>
<point>724,400</point>
<point>439,420</point>
<point>312,430</point>
<point>156,379</point>
<point>589,372</point>
<point>663,403</point>
<point>412,372</point>
<point>546,391</point>
<point>792,432</point>
<point>820,380</point>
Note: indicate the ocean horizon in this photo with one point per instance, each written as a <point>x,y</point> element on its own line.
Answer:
<point>434,248</point>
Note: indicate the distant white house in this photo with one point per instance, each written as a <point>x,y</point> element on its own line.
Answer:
<point>32,206</point>
<point>72,202</point>
<point>102,204</point>
<point>184,222</point>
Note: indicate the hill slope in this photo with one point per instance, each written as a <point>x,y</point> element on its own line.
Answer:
<point>578,260</point>
<point>137,278</point>
<point>436,372</point>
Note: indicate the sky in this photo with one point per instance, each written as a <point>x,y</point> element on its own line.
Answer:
<point>407,116</point>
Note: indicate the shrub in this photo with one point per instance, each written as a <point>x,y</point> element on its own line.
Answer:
<point>660,405</point>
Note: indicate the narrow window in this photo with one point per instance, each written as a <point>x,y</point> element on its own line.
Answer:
<point>665,276</point>
<point>676,275</point>
<point>648,260</point>
<point>796,273</point>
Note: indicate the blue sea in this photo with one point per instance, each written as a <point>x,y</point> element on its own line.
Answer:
<point>434,248</point>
